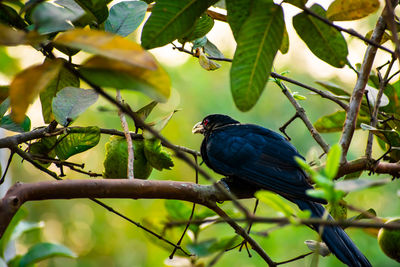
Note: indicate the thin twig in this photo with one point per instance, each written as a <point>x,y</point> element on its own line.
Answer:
<point>301,112</point>
<point>372,42</point>
<point>374,115</point>
<point>3,177</point>
<point>190,217</point>
<point>125,127</point>
<point>391,23</point>
<point>358,91</point>
<point>239,230</point>
<point>295,259</point>
<point>278,76</point>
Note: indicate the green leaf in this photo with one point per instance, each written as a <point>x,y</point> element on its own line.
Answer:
<point>108,45</point>
<point>285,42</point>
<point>340,10</point>
<point>257,44</point>
<point>23,227</point>
<point>170,20</point>
<point>332,161</point>
<point>8,123</point>
<point>338,210</point>
<point>125,17</point>
<point>70,102</point>
<point>49,18</point>
<point>275,202</point>
<point>116,159</point>
<point>359,184</point>
<point>202,248</point>
<point>211,50</point>
<point>6,238</point>
<point>158,125</point>
<point>145,111</point>
<point>4,106</point>
<point>324,41</point>
<point>201,28</point>
<point>317,193</point>
<point>237,13</point>
<point>96,10</point>
<point>65,78</point>
<point>119,75</point>
<point>297,96</point>
<point>44,251</point>
<point>334,122</point>
<point>333,88</point>
<point>77,141</point>
<point>10,17</point>
<point>9,66</point>
<point>177,210</point>
<point>157,157</point>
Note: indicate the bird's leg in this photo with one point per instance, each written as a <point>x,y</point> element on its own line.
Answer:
<point>244,242</point>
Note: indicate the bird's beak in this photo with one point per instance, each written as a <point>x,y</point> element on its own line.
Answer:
<point>198,128</point>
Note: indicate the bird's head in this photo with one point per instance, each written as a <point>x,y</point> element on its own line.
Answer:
<point>212,122</point>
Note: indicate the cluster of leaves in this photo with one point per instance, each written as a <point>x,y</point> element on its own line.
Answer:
<point>36,253</point>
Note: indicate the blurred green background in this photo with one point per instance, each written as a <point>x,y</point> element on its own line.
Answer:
<point>103,239</point>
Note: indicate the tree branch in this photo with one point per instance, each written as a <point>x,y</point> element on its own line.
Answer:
<point>358,91</point>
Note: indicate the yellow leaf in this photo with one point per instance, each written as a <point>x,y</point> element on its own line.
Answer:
<point>12,37</point>
<point>107,45</point>
<point>207,63</point>
<point>9,36</point>
<point>117,74</point>
<point>341,10</point>
<point>27,84</point>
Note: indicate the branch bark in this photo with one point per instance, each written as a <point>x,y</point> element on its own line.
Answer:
<point>358,91</point>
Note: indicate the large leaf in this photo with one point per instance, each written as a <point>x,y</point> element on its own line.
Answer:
<point>125,17</point>
<point>96,10</point>
<point>116,74</point>
<point>63,79</point>
<point>351,9</point>
<point>8,123</point>
<point>77,141</point>
<point>116,160</point>
<point>44,251</point>
<point>238,11</point>
<point>334,122</point>
<point>49,18</point>
<point>171,20</point>
<point>257,44</point>
<point>11,37</point>
<point>324,41</point>
<point>27,84</point>
<point>107,45</point>
<point>333,88</point>
<point>70,102</point>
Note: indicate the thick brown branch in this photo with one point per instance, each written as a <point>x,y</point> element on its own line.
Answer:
<point>116,188</point>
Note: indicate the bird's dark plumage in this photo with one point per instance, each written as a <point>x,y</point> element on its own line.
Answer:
<point>265,159</point>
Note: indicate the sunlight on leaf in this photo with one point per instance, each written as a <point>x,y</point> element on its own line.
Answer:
<point>29,83</point>
<point>107,45</point>
<point>340,10</point>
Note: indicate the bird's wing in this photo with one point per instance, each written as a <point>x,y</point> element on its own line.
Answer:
<point>259,156</point>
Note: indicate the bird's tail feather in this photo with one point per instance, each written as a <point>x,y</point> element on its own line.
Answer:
<point>338,242</point>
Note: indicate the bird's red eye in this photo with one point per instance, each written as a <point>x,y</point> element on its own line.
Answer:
<point>205,122</point>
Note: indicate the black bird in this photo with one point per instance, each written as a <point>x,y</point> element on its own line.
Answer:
<point>265,160</point>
